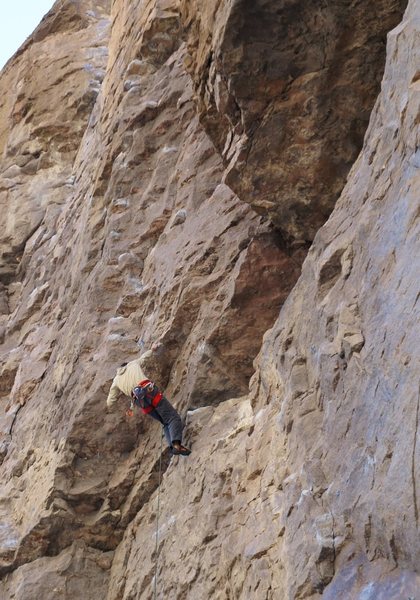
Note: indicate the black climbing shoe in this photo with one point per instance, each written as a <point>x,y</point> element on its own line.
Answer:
<point>180,449</point>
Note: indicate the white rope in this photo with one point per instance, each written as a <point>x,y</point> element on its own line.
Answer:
<point>157,523</point>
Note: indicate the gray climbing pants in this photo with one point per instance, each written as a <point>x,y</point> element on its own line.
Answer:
<point>170,419</point>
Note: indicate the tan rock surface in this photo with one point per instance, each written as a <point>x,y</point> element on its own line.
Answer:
<point>285,91</point>
<point>51,84</point>
<point>300,486</point>
<point>97,282</point>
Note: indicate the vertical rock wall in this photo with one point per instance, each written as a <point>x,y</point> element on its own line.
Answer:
<point>285,91</point>
<point>145,244</point>
<point>49,89</point>
<point>301,485</point>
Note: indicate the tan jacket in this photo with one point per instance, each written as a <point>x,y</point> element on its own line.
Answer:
<point>125,380</point>
<point>151,365</point>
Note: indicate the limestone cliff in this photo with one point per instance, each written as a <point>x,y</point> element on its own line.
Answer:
<point>165,166</point>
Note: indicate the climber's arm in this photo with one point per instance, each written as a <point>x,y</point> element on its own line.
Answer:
<point>114,392</point>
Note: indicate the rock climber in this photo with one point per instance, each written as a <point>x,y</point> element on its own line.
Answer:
<point>132,381</point>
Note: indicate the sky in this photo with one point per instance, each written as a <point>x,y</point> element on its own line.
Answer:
<point>18,20</point>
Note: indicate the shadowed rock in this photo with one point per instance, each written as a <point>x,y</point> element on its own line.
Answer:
<point>285,91</point>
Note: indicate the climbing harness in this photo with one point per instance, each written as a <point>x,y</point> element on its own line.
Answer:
<point>145,395</point>
<point>157,522</point>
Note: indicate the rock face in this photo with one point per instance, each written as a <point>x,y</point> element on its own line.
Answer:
<point>285,92</point>
<point>44,111</point>
<point>128,226</point>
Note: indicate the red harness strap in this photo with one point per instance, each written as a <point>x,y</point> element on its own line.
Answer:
<point>153,396</point>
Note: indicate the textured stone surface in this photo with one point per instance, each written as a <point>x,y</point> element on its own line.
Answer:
<point>311,488</point>
<point>43,117</point>
<point>78,572</point>
<point>285,91</point>
<point>148,245</point>
<point>302,484</point>
<point>350,376</point>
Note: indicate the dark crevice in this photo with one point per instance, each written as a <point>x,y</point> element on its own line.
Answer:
<point>14,420</point>
<point>12,260</point>
<point>413,463</point>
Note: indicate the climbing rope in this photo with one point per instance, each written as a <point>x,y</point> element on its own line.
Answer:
<point>157,522</point>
